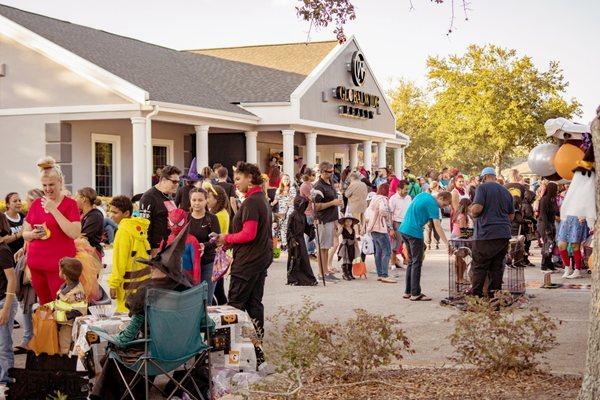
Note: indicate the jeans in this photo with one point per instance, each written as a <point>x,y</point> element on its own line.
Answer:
<point>110,227</point>
<point>27,325</point>
<point>383,251</point>
<point>415,248</point>
<point>310,245</point>
<point>7,358</point>
<point>206,271</point>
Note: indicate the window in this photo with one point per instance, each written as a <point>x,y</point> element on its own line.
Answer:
<point>162,153</point>
<point>104,168</point>
<point>106,164</point>
<point>159,157</point>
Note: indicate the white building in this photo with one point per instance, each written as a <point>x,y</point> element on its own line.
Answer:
<point>111,109</point>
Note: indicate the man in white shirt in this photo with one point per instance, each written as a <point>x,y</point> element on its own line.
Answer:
<point>398,205</point>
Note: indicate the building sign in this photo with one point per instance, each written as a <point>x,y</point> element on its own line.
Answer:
<point>356,98</point>
<point>358,68</point>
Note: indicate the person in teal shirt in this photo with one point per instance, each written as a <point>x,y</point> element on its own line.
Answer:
<point>423,208</point>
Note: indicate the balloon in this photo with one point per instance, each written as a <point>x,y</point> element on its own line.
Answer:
<point>541,159</point>
<point>566,159</point>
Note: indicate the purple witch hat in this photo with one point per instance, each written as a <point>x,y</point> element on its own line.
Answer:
<point>192,174</point>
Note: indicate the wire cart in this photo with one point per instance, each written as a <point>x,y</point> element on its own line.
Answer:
<point>460,265</point>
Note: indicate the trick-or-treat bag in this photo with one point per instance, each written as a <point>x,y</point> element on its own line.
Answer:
<point>221,264</point>
<point>359,268</point>
<point>45,332</point>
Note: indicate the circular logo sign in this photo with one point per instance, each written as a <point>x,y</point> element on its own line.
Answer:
<point>358,68</point>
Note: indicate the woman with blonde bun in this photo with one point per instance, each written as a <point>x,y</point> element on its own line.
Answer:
<point>51,227</point>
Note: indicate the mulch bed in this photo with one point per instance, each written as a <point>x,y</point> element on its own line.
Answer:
<point>444,384</point>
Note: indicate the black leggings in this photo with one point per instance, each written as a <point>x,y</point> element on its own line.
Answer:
<point>220,295</point>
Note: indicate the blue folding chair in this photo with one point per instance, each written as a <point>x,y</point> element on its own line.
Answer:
<point>173,330</point>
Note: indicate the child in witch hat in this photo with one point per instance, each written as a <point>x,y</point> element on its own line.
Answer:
<point>348,249</point>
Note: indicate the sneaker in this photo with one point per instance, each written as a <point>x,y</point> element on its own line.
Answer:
<point>576,274</point>
<point>330,277</point>
<point>386,280</point>
<point>568,271</point>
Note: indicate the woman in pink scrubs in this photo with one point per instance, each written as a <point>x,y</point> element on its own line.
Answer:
<point>50,227</point>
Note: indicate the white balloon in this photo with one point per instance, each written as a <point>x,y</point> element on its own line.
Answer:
<point>541,159</point>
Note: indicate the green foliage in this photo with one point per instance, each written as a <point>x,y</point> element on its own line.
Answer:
<point>411,108</point>
<point>496,337</point>
<point>486,106</point>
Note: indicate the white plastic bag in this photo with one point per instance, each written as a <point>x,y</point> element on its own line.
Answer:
<point>367,245</point>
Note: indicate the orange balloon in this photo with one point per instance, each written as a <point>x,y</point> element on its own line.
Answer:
<point>566,159</point>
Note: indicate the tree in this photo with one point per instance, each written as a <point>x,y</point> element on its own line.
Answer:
<point>411,108</point>
<point>321,13</point>
<point>489,103</point>
<point>590,388</point>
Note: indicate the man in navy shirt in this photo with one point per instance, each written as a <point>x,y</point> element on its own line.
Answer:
<point>493,210</point>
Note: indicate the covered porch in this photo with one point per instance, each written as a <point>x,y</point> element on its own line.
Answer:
<point>117,154</point>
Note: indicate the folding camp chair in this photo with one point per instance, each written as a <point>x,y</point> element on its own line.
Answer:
<point>173,326</point>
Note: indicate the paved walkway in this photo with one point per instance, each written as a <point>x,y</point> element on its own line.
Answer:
<point>426,322</point>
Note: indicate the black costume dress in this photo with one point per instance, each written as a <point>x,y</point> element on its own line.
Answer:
<point>299,271</point>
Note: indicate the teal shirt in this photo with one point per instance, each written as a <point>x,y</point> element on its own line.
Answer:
<point>423,208</point>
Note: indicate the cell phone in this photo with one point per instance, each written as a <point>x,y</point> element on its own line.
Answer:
<point>40,228</point>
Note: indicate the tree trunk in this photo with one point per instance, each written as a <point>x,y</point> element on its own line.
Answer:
<point>498,158</point>
<point>590,388</point>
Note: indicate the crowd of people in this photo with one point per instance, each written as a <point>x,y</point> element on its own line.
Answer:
<point>337,216</point>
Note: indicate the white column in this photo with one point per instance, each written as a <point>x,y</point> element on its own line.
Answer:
<point>251,150</point>
<point>140,145</point>
<point>149,153</point>
<point>381,156</point>
<point>367,148</point>
<point>398,168</point>
<point>201,146</point>
<point>288,152</point>
<point>353,155</point>
<point>311,149</point>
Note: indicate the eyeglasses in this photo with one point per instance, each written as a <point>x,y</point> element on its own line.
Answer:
<point>174,181</point>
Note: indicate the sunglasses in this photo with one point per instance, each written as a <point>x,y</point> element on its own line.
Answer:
<point>329,171</point>
<point>175,181</point>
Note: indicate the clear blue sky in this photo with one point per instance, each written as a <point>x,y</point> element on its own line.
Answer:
<point>396,40</point>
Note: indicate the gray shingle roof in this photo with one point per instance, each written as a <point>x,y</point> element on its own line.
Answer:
<point>166,74</point>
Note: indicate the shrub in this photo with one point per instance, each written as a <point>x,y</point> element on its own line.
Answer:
<point>293,344</point>
<point>495,336</point>
<point>364,343</point>
<point>301,346</point>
